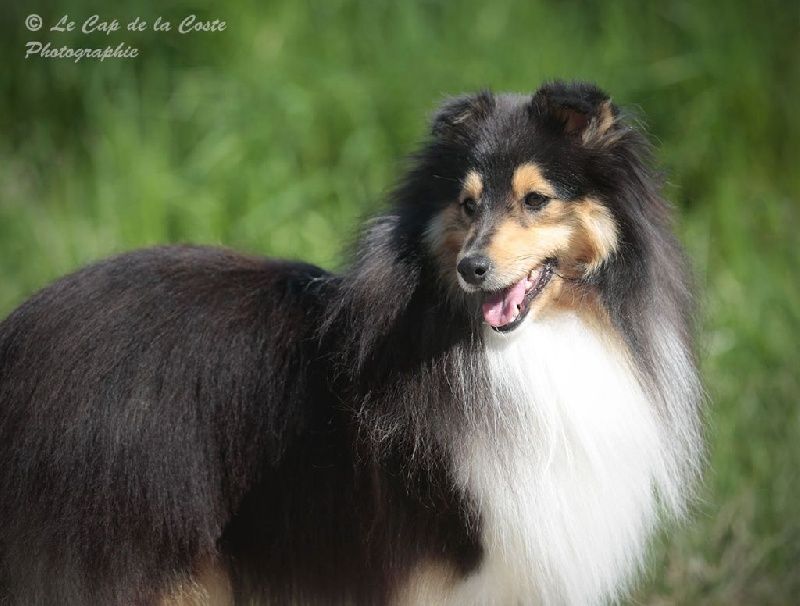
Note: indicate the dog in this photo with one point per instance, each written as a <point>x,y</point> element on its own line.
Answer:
<point>496,402</point>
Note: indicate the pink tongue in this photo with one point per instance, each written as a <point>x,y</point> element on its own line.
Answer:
<point>500,308</point>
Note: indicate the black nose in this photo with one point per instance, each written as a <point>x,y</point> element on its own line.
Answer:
<point>474,269</point>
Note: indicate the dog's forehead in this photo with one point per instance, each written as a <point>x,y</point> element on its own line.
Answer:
<point>506,141</point>
<point>510,140</point>
<point>505,130</point>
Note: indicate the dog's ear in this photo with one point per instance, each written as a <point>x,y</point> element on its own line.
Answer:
<point>577,109</point>
<point>457,116</point>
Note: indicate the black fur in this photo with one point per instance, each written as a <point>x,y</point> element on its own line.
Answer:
<point>181,403</point>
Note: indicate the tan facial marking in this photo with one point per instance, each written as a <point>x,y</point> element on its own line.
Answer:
<point>523,240</point>
<point>581,234</point>
<point>596,239</point>
<point>529,178</point>
<point>473,186</point>
<point>521,243</point>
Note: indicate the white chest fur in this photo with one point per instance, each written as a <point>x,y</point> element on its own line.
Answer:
<point>564,468</point>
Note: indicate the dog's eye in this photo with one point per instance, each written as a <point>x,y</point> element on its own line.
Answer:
<point>535,201</point>
<point>470,206</point>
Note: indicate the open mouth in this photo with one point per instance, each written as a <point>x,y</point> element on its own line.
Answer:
<point>504,310</point>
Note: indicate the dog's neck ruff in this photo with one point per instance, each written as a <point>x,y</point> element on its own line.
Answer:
<point>564,466</point>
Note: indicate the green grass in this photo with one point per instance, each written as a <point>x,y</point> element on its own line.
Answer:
<point>279,134</point>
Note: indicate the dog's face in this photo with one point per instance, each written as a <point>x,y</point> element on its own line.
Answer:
<point>527,217</point>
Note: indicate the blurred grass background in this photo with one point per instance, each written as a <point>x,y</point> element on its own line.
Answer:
<point>279,134</point>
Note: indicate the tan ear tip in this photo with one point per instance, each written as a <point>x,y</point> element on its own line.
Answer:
<point>606,115</point>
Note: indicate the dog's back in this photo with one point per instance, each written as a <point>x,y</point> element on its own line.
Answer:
<point>139,400</point>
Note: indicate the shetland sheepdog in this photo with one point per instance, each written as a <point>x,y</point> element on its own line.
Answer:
<point>496,402</point>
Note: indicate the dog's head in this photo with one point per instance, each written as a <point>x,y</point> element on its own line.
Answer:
<point>529,208</point>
